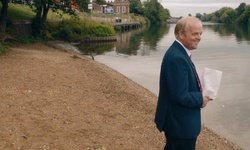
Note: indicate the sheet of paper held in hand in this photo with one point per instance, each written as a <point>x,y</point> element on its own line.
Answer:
<point>210,81</point>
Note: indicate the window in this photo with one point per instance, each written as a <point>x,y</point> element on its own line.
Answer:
<point>123,9</point>
<point>118,9</point>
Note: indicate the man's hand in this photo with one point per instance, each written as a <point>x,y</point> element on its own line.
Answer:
<point>206,99</point>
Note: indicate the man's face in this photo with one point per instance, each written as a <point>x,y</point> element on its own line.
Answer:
<point>191,37</point>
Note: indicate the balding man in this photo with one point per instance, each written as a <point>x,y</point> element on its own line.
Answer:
<point>180,96</point>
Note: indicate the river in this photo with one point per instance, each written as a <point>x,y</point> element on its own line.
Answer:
<point>138,56</point>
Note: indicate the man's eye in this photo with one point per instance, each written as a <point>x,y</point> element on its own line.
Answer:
<point>196,34</point>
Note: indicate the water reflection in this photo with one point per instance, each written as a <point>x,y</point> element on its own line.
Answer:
<point>140,41</point>
<point>241,32</point>
<point>144,40</point>
<point>137,42</point>
<point>95,48</point>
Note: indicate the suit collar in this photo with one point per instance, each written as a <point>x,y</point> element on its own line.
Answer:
<point>181,48</point>
<point>187,51</point>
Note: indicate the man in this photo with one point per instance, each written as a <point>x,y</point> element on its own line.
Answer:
<point>180,96</point>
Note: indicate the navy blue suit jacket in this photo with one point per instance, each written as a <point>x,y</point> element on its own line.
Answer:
<point>180,100</point>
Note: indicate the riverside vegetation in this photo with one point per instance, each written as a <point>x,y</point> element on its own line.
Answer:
<point>61,26</point>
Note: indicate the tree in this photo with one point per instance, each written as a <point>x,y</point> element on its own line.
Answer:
<point>245,17</point>
<point>136,7</point>
<point>42,7</point>
<point>198,15</point>
<point>227,15</point>
<point>3,15</point>
<point>84,4</point>
<point>155,12</point>
<point>167,13</point>
<point>240,9</point>
<point>163,14</point>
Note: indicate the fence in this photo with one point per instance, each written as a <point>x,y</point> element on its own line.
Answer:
<point>21,28</point>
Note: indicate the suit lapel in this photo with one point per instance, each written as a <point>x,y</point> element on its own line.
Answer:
<point>184,53</point>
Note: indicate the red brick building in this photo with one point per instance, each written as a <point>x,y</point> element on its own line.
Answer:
<point>116,6</point>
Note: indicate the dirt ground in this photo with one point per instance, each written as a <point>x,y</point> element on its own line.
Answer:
<point>53,99</point>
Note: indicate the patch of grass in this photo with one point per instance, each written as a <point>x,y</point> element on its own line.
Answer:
<point>58,15</point>
<point>25,12</point>
<point>19,12</point>
<point>28,40</point>
<point>3,48</point>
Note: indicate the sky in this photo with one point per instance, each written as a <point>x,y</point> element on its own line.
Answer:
<point>179,8</point>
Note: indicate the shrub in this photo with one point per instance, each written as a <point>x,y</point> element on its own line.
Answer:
<point>76,30</point>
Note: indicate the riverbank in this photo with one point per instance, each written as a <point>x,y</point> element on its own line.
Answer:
<point>52,99</point>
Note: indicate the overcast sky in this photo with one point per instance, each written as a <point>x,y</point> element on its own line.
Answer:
<point>179,8</point>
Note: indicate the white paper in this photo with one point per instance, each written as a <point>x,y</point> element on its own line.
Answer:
<point>210,81</point>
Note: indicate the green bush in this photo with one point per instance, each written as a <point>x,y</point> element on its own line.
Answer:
<point>101,30</point>
<point>76,30</point>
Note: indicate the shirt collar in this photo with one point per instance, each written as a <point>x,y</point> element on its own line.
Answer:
<point>188,51</point>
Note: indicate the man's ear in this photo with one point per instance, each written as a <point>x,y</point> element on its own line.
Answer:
<point>181,34</point>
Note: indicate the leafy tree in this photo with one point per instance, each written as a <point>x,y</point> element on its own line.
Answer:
<point>136,7</point>
<point>163,14</point>
<point>155,12</point>
<point>83,4</point>
<point>168,13</point>
<point>3,15</point>
<point>42,7</point>
<point>215,17</point>
<point>198,15</point>
<point>203,17</point>
<point>227,15</point>
<point>240,9</point>
<point>245,17</point>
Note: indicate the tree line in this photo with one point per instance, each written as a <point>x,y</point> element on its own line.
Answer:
<point>228,15</point>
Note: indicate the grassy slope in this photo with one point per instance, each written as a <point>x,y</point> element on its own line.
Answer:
<point>24,12</point>
<point>20,12</point>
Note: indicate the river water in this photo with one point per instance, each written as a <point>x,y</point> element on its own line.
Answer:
<point>138,56</point>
